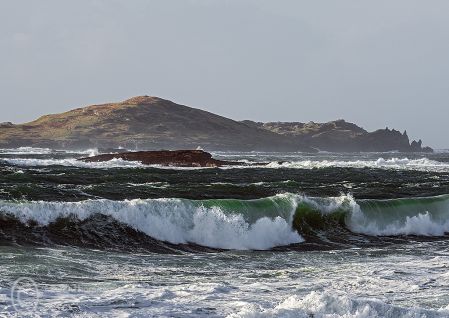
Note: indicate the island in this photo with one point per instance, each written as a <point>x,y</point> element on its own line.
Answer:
<point>153,123</point>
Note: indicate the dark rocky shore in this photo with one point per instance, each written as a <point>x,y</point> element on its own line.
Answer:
<point>177,158</point>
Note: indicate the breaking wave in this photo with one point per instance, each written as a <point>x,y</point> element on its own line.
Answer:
<point>394,163</point>
<point>71,162</point>
<point>410,216</point>
<point>226,224</point>
<point>261,224</point>
<point>44,151</point>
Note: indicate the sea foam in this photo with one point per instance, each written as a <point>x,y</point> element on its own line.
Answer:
<point>330,305</point>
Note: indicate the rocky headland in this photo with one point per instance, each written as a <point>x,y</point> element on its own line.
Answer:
<point>342,136</point>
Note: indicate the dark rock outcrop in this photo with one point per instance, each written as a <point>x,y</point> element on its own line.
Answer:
<point>177,158</point>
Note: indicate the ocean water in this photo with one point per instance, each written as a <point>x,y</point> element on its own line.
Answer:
<point>306,235</point>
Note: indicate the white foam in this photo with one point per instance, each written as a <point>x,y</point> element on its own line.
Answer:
<point>90,152</point>
<point>331,305</point>
<point>43,151</point>
<point>114,163</point>
<point>394,163</point>
<point>441,150</point>
<point>25,150</point>
<point>173,220</point>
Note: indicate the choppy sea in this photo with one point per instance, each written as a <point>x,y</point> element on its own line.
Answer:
<point>306,235</point>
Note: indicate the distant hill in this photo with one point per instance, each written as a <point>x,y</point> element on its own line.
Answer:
<point>143,122</point>
<point>150,123</point>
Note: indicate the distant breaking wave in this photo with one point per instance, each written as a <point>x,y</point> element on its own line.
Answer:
<point>394,163</point>
<point>423,164</point>
<point>42,151</point>
<point>26,150</point>
<point>259,224</point>
<point>33,162</point>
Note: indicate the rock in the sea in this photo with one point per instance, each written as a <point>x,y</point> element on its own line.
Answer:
<point>177,158</point>
<point>7,124</point>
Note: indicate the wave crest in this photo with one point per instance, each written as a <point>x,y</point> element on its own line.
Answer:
<point>176,221</point>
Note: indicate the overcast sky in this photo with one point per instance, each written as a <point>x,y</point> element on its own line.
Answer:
<point>377,63</point>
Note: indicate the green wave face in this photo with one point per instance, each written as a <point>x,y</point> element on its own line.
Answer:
<point>411,216</point>
<point>392,210</point>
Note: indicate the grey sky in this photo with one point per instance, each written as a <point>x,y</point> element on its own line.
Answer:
<point>377,63</point>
